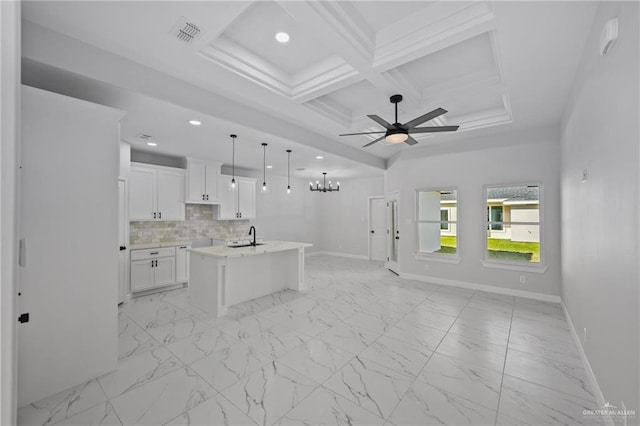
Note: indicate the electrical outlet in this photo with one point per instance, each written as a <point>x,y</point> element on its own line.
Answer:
<point>585,175</point>
<point>427,267</point>
<point>584,335</point>
<point>523,279</point>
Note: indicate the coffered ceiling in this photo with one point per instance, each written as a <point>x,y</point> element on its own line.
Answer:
<point>492,65</point>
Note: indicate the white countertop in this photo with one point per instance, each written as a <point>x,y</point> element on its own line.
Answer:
<point>145,246</point>
<point>266,247</point>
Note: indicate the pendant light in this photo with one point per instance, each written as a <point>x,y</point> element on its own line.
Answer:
<point>233,161</point>
<point>324,187</point>
<point>264,167</point>
<point>288,171</point>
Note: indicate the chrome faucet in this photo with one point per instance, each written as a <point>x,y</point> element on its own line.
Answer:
<point>253,230</point>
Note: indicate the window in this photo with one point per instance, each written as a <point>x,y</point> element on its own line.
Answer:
<point>437,213</point>
<point>513,223</point>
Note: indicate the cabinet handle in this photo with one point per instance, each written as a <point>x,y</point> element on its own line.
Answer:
<point>207,197</point>
<point>183,246</point>
<point>154,215</point>
<point>154,252</point>
<point>160,215</point>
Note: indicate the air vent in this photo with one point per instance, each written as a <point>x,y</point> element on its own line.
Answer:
<point>185,30</point>
<point>144,136</point>
<point>300,169</point>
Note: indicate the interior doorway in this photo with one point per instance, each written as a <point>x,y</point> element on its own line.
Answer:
<point>393,235</point>
<point>377,229</point>
<point>123,239</point>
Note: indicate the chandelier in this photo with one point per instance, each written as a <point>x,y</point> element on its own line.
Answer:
<point>324,187</point>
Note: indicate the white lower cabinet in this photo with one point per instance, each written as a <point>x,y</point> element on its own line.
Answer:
<point>151,268</point>
<point>182,264</point>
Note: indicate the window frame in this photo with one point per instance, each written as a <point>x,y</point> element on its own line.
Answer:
<point>437,257</point>
<point>537,267</point>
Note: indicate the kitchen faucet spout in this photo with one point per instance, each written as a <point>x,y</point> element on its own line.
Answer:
<point>252,230</point>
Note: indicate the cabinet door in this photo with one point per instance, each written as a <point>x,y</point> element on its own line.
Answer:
<point>182,264</point>
<point>228,198</point>
<point>211,181</point>
<point>165,271</point>
<point>141,275</point>
<point>142,194</point>
<point>247,199</point>
<point>196,181</point>
<point>170,195</point>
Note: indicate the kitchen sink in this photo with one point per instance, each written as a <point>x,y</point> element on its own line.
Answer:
<point>246,245</point>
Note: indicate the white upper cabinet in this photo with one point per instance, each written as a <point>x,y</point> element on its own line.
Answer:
<point>239,203</point>
<point>156,193</point>
<point>202,182</point>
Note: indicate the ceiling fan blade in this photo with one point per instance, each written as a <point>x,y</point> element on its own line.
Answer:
<point>380,121</point>
<point>374,141</point>
<point>434,129</point>
<point>425,117</point>
<point>411,141</point>
<point>365,133</point>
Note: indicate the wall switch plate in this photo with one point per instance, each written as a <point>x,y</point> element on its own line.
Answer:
<point>523,279</point>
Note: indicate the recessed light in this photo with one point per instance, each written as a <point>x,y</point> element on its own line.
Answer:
<point>269,167</point>
<point>319,157</point>
<point>282,37</point>
<point>152,144</point>
<point>195,122</point>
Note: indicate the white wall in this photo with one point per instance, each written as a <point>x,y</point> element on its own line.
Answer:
<point>535,159</point>
<point>69,194</point>
<point>344,220</point>
<point>600,216</point>
<point>9,128</point>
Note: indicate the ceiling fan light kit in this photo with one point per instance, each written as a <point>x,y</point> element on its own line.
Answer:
<point>397,133</point>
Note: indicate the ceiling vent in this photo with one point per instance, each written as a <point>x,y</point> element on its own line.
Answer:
<point>185,30</point>
<point>144,136</point>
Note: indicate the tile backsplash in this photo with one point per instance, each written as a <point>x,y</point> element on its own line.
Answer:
<point>199,223</point>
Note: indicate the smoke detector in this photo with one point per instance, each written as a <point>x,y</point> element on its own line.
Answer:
<point>186,30</point>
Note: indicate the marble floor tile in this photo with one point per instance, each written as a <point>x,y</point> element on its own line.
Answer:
<point>424,404</point>
<point>495,336</point>
<point>100,415</point>
<point>169,333</point>
<point>146,364</point>
<point>247,327</point>
<point>389,305</point>
<point>440,308</point>
<point>449,298</point>
<point>417,334</point>
<point>371,386</point>
<point>473,352</point>
<point>316,359</point>
<point>130,339</point>
<point>228,366</point>
<point>278,340</point>
<point>214,411</point>
<point>310,324</point>
<point>269,393</point>
<point>349,337</point>
<point>565,375</point>
<point>482,320</point>
<point>149,315</point>
<point>374,321</point>
<point>398,355</point>
<point>178,298</point>
<point>163,399</point>
<point>542,345</point>
<point>62,405</point>
<point>431,319</point>
<point>490,305</point>
<point>200,345</point>
<point>477,384</point>
<point>532,404</point>
<point>324,407</point>
<point>536,307</point>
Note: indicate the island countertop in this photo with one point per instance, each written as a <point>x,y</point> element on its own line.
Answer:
<point>271,246</point>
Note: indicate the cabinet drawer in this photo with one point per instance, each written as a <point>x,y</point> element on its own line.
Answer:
<point>152,253</point>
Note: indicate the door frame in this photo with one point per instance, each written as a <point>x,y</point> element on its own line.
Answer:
<point>369,199</point>
<point>392,266</point>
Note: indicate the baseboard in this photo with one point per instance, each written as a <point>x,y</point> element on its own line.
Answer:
<point>600,400</point>
<point>483,287</point>
<point>335,253</point>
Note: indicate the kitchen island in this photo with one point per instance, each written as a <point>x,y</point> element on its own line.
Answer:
<point>222,276</point>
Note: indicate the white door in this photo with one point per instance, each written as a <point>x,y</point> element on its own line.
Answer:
<point>170,195</point>
<point>377,229</point>
<point>247,199</point>
<point>165,271</point>
<point>195,178</point>
<point>393,236</point>
<point>142,194</point>
<point>123,225</point>
<point>211,181</point>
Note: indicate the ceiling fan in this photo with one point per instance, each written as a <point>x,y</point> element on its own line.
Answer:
<point>398,133</point>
